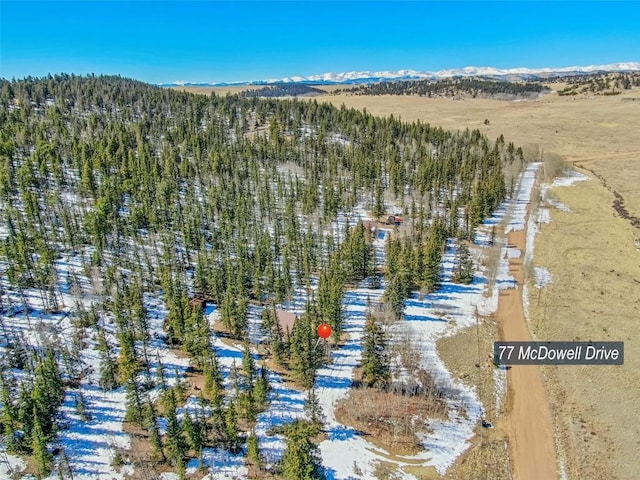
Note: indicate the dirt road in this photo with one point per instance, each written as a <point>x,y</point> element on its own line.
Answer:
<point>528,418</point>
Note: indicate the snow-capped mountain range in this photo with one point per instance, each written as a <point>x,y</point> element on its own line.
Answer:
<point>486,72</point>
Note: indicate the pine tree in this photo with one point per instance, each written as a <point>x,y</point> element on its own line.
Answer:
<point>331,294</point>
<point>313,409</point>
<point>25,405</point>
<point>301,460</point>
<point>217,419</point>
<point>175,443</point>
<point>248,364</point>
<point>197,338</point>
<point>135,412</point>
<point>465,268</point>
<point>358,253</point>
<point>231,431</point>
<point>17,354</point>
<point>246,406</point>
<point>151,421</point>
<point>161,379</point>
<point>305,359</point>
<point>43,459</point>
<point>213,379</point>
<point>81,407</point>
<point>253,451</point>
<point>375,363</point>
<point>128,363</point>
<point>64,466</point>
<point>261,389</point>
<point>277,345</point>
<point>431,275</point>
<point>394,297</point>
<point>8,413</point>
<point>47,392</point>
<point>193,430</point>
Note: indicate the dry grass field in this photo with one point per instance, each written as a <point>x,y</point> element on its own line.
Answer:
<point>577,126</point>
<point>594,258</point>
<point>595,295</point>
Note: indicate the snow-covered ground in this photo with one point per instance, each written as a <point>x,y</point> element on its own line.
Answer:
<point>569,177</point>
<point>500,383</point>
<point>518,216</point>
<point>427,318</point>
<point>346,454</point>
<point>90,444</point>
<point>10,464</point>
<point>542,276</point>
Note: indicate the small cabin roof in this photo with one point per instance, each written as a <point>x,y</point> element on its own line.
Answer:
<point>286,320</point>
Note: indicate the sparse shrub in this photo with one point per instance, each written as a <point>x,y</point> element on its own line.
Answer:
<point>554,164</point>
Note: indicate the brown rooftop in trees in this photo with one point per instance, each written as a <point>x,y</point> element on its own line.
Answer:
<point>286,320</point>
<point>198,302</point>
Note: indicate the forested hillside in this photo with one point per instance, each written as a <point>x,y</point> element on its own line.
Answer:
<point>283,90</point>
<point>123,203</point>
<point>449,88</point>
<point>599,84</point>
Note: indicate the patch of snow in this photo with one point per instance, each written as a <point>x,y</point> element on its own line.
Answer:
<point>525,302</point>
<point>559,205</point>
<point>500,383</point>
<point>562,467</point>
<point>542,276</point>
<point>513,252</point>
<point>222,464</point>
<point>523,198</point>
<point>10,464</point>
<point>544,216</point>
<point>90,445</point>
<point>569,178</point>
<point>532,230</point>
<point>504,280</point>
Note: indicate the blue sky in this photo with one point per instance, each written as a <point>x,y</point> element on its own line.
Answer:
<point>165,41</point>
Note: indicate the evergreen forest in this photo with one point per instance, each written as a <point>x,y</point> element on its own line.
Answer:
<point>449,87</point>
<point>119,199</point>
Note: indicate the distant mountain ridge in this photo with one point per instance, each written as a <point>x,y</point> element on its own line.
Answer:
<point>349,78</point>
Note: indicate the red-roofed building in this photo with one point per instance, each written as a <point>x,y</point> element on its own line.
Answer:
<point>394,220</point>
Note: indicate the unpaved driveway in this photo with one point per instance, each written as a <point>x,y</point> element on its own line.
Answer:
<point>528,417</point>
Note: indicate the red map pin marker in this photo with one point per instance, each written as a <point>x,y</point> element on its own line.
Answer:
<point>324,330</point>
